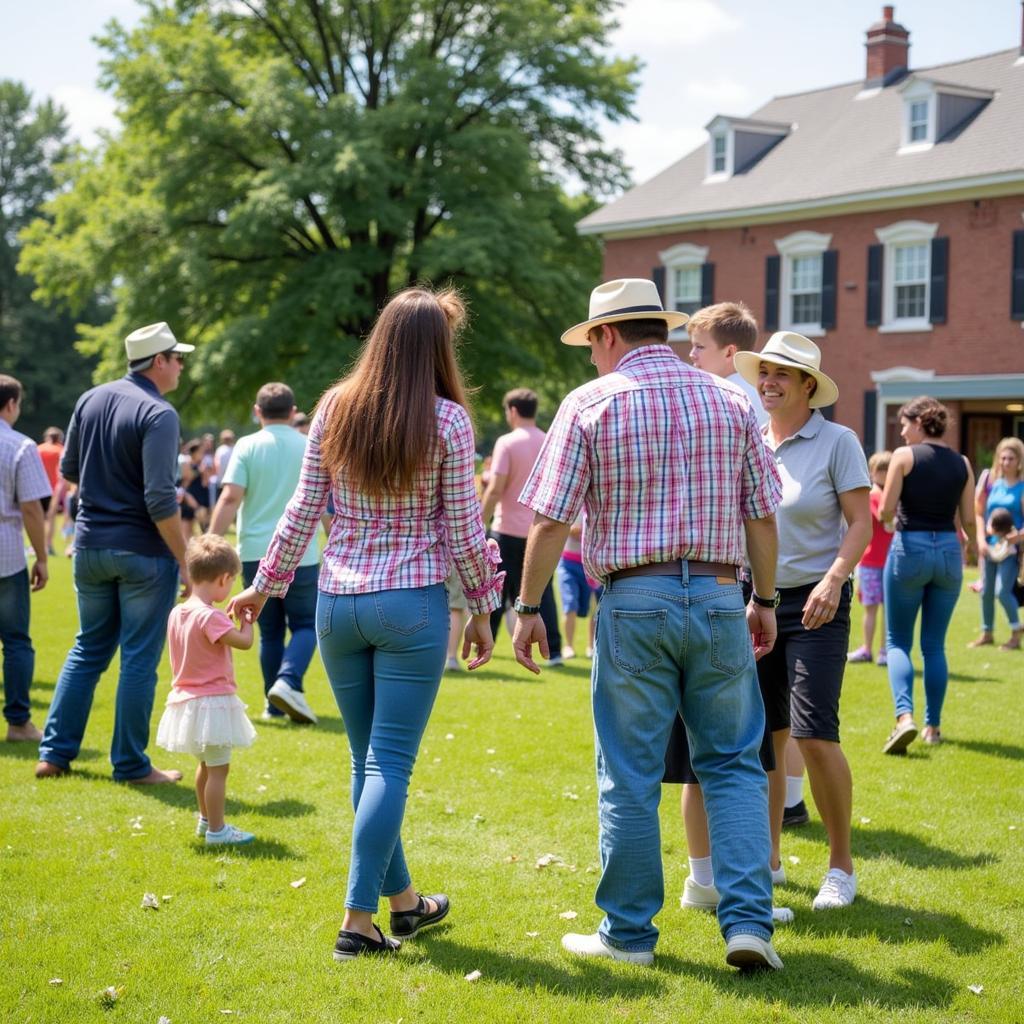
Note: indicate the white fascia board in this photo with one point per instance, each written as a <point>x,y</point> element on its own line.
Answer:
<point>781,209</point>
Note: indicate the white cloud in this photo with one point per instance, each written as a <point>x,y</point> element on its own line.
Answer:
<point>645,25</point>
<point>651,147</point>
<point>722,91</point>
<point>88,110</point>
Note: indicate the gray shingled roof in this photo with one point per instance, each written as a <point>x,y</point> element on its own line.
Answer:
<point>841,146</point>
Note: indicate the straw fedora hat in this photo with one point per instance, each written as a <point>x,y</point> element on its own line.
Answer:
<point>152,340</point>
<point>785,348</point>
<point>631,298</point>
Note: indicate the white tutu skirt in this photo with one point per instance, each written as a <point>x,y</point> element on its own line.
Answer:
<point>191,726</point>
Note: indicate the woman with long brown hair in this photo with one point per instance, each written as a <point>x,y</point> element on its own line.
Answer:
<point>393,442</point>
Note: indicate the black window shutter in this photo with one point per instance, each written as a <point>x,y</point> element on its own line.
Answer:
<point>658,277</point>
<point>874,293</point>
<point>829,272</point>
<point>1017,289</point>
<point>870,413</point>
<point>772,268</point>
<point>707,284</point>
<point>940,281</point>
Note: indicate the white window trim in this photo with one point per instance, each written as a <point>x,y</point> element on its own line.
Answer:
<point>680,257</point>
<point>720,128</point>
<point>914,93</point>
<point>903,232</point>
<point>799,243</point>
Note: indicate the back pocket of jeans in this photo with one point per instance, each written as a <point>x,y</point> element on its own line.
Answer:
<point>403,611</point>
<point>324,614</point>
<point>731,648</point>
<point>636,638</point>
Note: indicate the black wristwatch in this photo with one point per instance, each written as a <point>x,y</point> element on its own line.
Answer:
<point>525,609</point>
<point>767,602</point>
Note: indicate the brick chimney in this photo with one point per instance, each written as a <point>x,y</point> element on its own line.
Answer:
<point>888,46</point>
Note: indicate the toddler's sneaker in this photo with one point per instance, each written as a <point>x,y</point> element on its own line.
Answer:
<point>882,659</point>
<point>862,654</point>
<point>452,665</point>
<point>837,890</point>
<point>229,836</point>
<point>590,652</point>
<point>202,826</point>
<point>568,652</point>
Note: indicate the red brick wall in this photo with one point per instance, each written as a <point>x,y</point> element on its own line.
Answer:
<point>978,338</point>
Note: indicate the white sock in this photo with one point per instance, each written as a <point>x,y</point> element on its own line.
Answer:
<point>794,790</point>
<point>701,871</point>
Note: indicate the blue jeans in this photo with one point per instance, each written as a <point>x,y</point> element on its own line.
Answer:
<point>123,600</point>
<point>384,653</point>
<point>19,657</point>
<point>923,572</point>
<point>668,644</point>
<point>998,579</point>
<point>295,611</point>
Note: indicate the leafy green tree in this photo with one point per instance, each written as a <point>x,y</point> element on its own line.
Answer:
<point>285,166</point>
<point>36,344</point>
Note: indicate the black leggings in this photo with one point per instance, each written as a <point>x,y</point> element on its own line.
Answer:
<point>513,551</point>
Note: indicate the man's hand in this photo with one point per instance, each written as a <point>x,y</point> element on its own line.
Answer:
<point>822,603</point>
<point>40,575</point>
<point>478,633</point>
<point>529,631</point>
<point>763,630</point>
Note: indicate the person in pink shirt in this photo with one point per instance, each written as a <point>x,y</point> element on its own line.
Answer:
<point>204,715</point>
<point>514,456</point>
<point>872,562</point>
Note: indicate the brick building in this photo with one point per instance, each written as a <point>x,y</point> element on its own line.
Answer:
<point>884,218</point>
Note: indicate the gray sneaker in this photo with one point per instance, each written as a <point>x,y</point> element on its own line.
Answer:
<point>291,702</point>
<point>751,953</point>
<point>229,836</point>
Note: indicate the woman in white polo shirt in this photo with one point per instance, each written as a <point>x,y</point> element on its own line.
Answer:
<point>824,526</point>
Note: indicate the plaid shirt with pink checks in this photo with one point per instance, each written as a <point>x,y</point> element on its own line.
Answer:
<point>667,460</point>
<point>391,542</point>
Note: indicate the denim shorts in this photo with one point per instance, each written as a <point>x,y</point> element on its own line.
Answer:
<point>573,588</point>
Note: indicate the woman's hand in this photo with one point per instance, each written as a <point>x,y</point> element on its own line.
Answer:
<point>982,549</point>
<point>478,633</point>
<point>822,603</point>
<point>247,605</point>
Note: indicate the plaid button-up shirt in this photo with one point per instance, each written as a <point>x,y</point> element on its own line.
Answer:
<point>391,542</point>
<point>667,460</point>
<point>22,478</point>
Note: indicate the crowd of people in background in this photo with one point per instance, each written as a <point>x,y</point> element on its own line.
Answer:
<point>712,501</point>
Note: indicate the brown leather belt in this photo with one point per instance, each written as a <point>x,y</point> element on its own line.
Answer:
<point>675,568</point>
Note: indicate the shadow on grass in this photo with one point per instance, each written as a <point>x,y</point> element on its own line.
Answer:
<point>904,847</point>
<point>887,923</point>
<point>810,979</point>
<point>30,752</point>
<point>259,849</point>
<point>1008,750</point>
<point>183,795</point>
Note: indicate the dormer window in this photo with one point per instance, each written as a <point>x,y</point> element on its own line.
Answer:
<point>936,111</point>
<point>720,145</point>
<point>917,127</point>
<point>737,143</point>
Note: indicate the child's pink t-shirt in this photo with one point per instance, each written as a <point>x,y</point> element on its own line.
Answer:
<point>201,666</point>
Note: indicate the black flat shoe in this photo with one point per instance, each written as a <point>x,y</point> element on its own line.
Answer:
<point>353,944</point>
<point>407,923</point>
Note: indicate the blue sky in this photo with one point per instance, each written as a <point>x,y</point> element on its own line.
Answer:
<point>702,57</point>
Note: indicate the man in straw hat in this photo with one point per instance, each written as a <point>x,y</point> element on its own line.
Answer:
<point>673,473</point>
<point>122,451</point>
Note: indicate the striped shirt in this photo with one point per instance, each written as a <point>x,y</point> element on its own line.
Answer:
<point>667,461</point>
<point>391,542</point>
<point>22,478</point>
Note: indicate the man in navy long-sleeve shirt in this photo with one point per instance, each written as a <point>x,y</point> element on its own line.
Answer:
<point>121,450</point>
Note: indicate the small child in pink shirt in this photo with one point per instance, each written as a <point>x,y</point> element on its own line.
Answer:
<point>204,715</point>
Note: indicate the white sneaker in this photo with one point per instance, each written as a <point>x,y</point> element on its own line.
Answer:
<point>568,652</point>
<point>594,945</point>
<point>779,875</point>
<point>837,890</point>
<point>202,826</point>
<point>555,661</point>
<point>751,953</point>
<point>783,915</point>
<point>452,665</point>
<point>229,836</point>
<point>698,897</point>
<point>291,702</point>
<point>590,652</point>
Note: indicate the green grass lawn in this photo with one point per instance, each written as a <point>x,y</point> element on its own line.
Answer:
<point>505,776</point>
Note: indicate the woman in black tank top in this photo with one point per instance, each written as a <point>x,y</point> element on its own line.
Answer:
<point>927,486</point>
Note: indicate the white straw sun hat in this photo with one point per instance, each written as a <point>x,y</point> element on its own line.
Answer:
<point>785,348</point>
